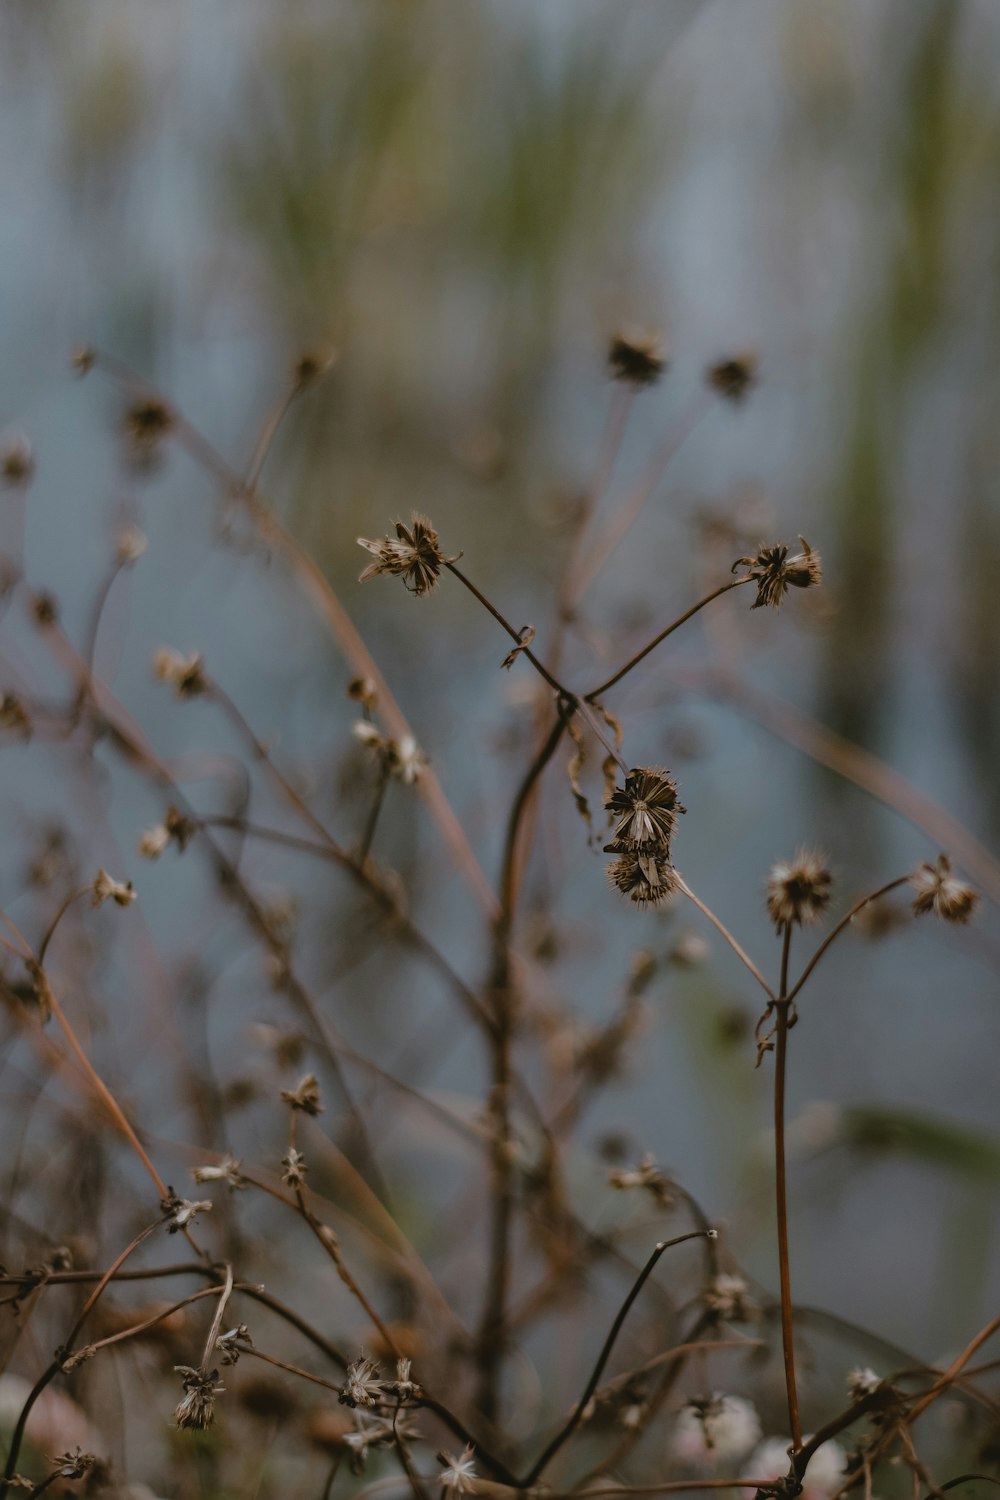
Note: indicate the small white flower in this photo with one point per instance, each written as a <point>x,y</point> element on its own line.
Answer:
<point>406,759</point>
<point>721,1428</point>
<point>106,889</point>
<point>184,1210</point>
<point>227,1170</point>
<point>458,1477</point>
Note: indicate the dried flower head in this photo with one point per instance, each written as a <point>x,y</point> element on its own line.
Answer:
<point>147,422</point>
<point>727,1296</point>
<point>17,462</point>
<point>647,1176</point>
<point>231,1345</point>
<point>364,691</point>
<point>646,879</point>
<point>941,892</point>
<point>295,1168</point>
<point>404,1386</point>
<point>458,1476</point>
<point>363,1387</point>
<point>129,546</point>
<point>717,1427</point>
<point>405,759</point>
<point>106,889</point>
<point>645,810</point>
<point>414,555</point>
<point>76,1464</point>
<point>226,1170</point>
<point>636,358</point>
<point>186,674</point>
<point>183,1210</point>
<point>798,890</point>
<point>862,1381</point>
<point>774,572</point>
<point>152,843</point>
<point>732,378</point>
<point>44,609</point>
<point>197,1407</point>
<point>305,1097</point>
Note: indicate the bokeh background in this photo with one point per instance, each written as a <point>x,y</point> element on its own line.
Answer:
<point>463,201</point>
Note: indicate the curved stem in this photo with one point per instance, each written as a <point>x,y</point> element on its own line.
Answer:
<point>744,957</point>
<point>782,1004</point>
<point>844,922</point>
<point>634,661</point>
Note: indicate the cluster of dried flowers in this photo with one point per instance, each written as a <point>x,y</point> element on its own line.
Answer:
<point>644,812</point>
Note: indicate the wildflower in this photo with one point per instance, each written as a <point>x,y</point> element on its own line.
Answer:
<point>636,358</point>
<point>104,889</point>
<point>774,572</point>
<point>295,1168</point>
<point>362,1386</point>
<point>226,1170</point>
<point>798,890</point>
<point>862,1382</point>
<point>941,892</point>
<point>228,1344</point>
<point>305,1097</point>
<point>721,1427</point>
<point>17,462</point>
<point>733,377</point>
<point>458,1477</point>
<point>414,555</point>
<point>186,674</point>
<point>646,809</point>
<point>407,762</point>
<point>645,878</point>
<point>130,546</point>
<point>183,1210</point>
<point>726,1296</point>
<point>197,1407</point>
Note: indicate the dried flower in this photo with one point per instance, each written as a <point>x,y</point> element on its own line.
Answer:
<point>862,1381</point>
<point>295,1168</point>
<point>414,555</point>
<point>645,878</point>
<point>305,1097</point>
<point>104,889</point>
<point>646,809</point>
<point>44,609</point>
<point>362,1386</point>
<point>197,1408</point>
<point>646,1175</point>
<point>719,1427</point>
<point>153,842</point>
<point>774,572</point>
<point>727,1296</point>
<point>636,358</point>
<point>226,1170</point>
<point>228,1344</point>
<point>74,1465</point>
<point>458,1477</point>
<point>183,1211</point>
<point>186,674</point>
<point>403,1386</point>
<point>364,691</point>
<point>130,546</point>
<point>407,762</point>
<point>17,462</point>
<point>147,422</point>
<point>733,377</point>
<point>941,892</point>
<point>82,359</point>
<point>798,890</point>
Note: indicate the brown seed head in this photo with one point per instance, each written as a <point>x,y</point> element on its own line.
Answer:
<point>646,879</point>
<point>148,421</point>
<point>636,358</point>
<point>774,572</point>
<point>44,609</point>
<point>941,892</point>
<point>413,554</point>
<point>732,378</point>
<point>306,1097</point>
<point>798,890</point>
<point>197,1407</point>
<point>645,809</point>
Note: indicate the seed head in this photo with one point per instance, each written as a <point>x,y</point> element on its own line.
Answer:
<point>231,1345</point>
<point>362,1386</point>
<point>646,809</point>
<point>774,572</point>
<point>295,1168</point>
<point>226,1170</point>
<point>458,1477</point>
<point>305,1097</point>
<point>646,878</point>
<point>186,674</point>
<point>798,890</point>
<point>197,1407</point>
<point>636,358</point>
<point>183,1211</point>
<point>147,422</point>
<point>363,690</point>
<point>407,762</point>
<point>732,378</point>
<point>414,555</point>
<point>105,889</point>
<point>941,892</point>
<point>862,1381</point>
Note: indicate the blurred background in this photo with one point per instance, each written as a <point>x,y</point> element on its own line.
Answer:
<point>463,202</point>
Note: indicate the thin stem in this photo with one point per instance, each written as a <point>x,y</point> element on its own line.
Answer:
<point>515,635</point>
<point>954,1369</point>
<point>370,826</point>
<point>744,958</point>
<point>844,922</point>
<point>634,661</point>
<point>213,1332</point>
<point>595,1375</point>
<point>51,929</point>
<point>328,1239</point>
<point>782,1004</point>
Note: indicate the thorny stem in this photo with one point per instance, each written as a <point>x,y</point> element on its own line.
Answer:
<point>844,922</point>
<point>634,661</point>
<point>744,958</point>
<point>573,1422</point>
<point>782,1004</point>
